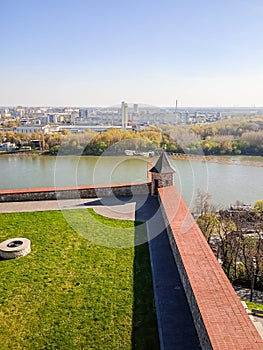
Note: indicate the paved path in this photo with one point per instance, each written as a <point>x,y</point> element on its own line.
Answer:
<point>176,327</point>
<point>111,207</point>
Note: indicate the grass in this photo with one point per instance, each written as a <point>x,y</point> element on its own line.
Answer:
<point>72,293</point>
<point>251,305</point>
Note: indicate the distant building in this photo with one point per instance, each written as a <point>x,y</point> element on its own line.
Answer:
<point>24,122</point>
<point>20,111</point>
<point>73,116</point>
<point>124,115</point>
<point>83,114</point>
<point>44,118</point>
<point>7,146</point>
<point>32,128</point>
<point>53,118</point>
<point>36,121</point>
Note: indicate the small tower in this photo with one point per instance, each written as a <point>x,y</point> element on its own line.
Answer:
<point>162,174</point>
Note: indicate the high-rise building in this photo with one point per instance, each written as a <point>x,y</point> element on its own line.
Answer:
<point>124,115</point>
<point>135,108</point>
<point>135,114</point>
<point>20,111</point>
<point>83,113</point>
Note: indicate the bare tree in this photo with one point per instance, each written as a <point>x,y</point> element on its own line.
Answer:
<point>203,203</point>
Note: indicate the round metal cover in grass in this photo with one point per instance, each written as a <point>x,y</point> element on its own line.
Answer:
<point>14,248</point>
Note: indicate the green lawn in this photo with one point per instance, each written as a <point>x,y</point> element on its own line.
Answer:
<point>251,305</point>
<point>71,293</point>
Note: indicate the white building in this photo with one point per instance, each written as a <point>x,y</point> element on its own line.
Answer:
<point>33,128</point>
<point>7,146</point>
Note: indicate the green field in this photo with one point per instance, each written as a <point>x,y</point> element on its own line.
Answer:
<point>71,293</point>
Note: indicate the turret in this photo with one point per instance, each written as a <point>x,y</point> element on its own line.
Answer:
<point>161,174</point>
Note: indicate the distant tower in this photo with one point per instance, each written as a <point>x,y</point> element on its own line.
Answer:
<point>124,115</point>
<point>135,108</point>
<point>176,105</point>
<point>162,174</point>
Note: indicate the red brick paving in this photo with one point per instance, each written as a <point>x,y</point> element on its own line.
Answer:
<point>227,324</point>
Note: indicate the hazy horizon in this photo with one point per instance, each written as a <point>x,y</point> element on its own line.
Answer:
<point>130,104</point>
<point>84,53</point>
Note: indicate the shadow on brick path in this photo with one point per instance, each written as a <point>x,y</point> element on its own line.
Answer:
<point>175,322</point>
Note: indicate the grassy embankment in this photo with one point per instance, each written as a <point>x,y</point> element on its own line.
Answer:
<point>70,293</point>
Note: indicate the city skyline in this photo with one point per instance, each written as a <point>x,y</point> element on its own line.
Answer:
<point>81,53</point>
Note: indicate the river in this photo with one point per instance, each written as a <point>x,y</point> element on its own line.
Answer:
<point>225,182</point>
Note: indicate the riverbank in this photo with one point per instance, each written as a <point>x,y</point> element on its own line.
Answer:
<point>243,160</point>
<point>222,159</point>
<point>237,160</point>
<point>23,153</point>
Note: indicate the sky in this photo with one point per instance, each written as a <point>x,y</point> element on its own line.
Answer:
<point>99,53</point>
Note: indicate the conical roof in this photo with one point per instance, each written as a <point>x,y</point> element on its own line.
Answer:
<point>162,165</point>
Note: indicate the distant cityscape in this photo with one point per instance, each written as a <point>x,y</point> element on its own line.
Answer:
<point>125,116</point>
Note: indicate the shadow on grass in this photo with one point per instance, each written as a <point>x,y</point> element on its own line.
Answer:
<point>145,330</point>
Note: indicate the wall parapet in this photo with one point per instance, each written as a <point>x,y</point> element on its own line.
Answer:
<point>220,319</point>
<point>54,193</point>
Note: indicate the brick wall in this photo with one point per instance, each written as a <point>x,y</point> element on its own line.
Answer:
<point>163,180</point>
<point>36,194</point>
<point>220,319</point>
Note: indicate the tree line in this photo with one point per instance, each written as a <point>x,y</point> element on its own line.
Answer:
<point>242,136</point>
<point>236,136</point>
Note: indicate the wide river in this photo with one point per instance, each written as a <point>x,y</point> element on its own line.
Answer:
<point>226,183</point>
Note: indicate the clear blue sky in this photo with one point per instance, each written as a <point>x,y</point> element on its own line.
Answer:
<point>100,52</point>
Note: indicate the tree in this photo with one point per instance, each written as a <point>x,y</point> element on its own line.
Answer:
<point>203,204</point>
<point>258,207</point>
<point>227,233</point>
<point>208,224</point>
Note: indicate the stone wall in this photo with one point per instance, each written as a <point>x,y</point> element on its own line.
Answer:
<point>160,180</point>
<point>38,194</point>
<point>220,319</point>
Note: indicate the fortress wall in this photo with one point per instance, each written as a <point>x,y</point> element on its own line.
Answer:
<point>38,194</point>
<point>220,319</point>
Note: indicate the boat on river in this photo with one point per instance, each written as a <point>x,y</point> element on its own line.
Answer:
<point>129,152</point>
